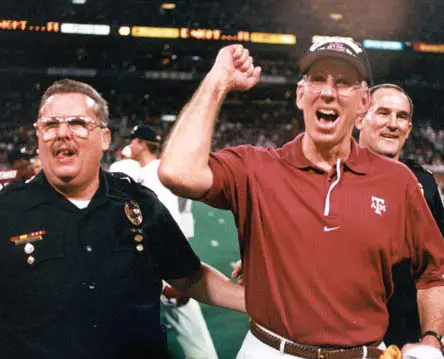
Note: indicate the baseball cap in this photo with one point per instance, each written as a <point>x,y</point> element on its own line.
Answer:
<point>23,153</point>
<point>340,48</point>
<point>146,133</point>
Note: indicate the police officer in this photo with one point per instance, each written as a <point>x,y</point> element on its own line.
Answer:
<point>430,190</point>
<point>83,252</point>
<point>384,129</point>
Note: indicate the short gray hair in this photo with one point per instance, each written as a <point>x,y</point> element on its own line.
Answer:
<point>72,86</point>
<point>395,87</point>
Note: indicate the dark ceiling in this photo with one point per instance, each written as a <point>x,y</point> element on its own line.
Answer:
<point>380,19</point>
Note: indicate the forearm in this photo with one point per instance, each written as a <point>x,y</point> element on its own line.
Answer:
<point>184,162</point>
<point>431,311</point>
<point>212,287</point>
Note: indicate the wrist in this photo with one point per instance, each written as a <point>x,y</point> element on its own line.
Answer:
<point>216,85</point>
<point>432,339</point>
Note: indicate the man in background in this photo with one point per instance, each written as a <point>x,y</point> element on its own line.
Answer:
<point>126,164</point>
<point>385,129</point>
<point>22,167</point>
<point>181,313</point>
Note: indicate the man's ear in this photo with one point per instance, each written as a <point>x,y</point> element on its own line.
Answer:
<point>359,122</point>
<point>409,129</point>
<point>364,105</point>
<point>299,95</point>
<point>106,139</point>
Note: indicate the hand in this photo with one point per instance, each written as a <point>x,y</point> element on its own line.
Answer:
<point>428,348</point>
<point>428,340</point>
<point>392,352</point>
<point>172,297</point>
<point>234,69</point>
<point>238,272</point>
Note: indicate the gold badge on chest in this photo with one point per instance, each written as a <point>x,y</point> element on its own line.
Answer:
<point>133,212</point>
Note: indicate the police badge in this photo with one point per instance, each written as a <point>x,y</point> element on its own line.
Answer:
<point>133,212</point>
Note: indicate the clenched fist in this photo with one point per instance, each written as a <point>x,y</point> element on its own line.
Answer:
<point>172,297</point>
<point>234,69</point>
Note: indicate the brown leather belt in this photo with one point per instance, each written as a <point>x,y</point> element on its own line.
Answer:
<point>313,352</point>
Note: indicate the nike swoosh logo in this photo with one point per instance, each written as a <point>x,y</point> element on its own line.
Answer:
<point>329,229</point>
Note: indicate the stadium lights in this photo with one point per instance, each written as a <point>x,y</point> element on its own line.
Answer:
<point>383,45</point>
<point>335,16</point>
<point>168,6</point>
<point>78,2</point>
<point>85,29</point>
<point>317,38</point>
<point>168,118</point>
<point>124,30</point>
<point>424,47</point>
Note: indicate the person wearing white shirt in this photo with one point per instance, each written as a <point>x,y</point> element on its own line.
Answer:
<point>182,314</point>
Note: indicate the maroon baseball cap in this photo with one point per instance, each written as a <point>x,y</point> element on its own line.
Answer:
<point>339,48</point>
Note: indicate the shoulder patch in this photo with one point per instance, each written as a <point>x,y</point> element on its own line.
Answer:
<point>125,184</point>
<point>121,175</point>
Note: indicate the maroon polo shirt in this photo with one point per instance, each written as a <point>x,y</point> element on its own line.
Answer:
<point>319,249</point>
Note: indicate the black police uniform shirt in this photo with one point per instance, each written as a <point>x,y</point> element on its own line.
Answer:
<point>85,283</point>
<point>404,326</point>
<point>430,189</point>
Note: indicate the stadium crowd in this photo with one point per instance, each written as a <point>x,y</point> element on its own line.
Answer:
<point>271,118</point>
<point>262,124</point>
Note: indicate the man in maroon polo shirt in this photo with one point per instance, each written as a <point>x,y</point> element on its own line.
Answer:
<point>321,220</point>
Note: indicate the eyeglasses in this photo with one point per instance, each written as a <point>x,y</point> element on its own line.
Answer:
<point>80,126</point>
<point>344,87</point>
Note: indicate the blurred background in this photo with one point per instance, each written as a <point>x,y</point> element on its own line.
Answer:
<point>147,57</point>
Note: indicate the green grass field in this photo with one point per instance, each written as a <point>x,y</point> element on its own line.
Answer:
<point>215,242</point>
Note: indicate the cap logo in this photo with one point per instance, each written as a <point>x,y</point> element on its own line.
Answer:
<point>336,46</point>
<point>336,41</point>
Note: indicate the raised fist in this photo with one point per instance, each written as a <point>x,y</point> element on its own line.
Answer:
<point>234,69</point>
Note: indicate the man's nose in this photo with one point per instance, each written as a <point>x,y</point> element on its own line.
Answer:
<point>63,130</point>
<point>329,89</point>
<point>392,121</point>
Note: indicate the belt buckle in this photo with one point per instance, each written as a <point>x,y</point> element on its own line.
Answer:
<point>319,354</point>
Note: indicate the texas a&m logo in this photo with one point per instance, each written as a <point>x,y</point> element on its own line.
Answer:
<point>378,204</point>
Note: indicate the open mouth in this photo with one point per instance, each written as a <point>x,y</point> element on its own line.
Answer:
<point>390,136</point>
<point>327,116</point>
<point>64,153</point>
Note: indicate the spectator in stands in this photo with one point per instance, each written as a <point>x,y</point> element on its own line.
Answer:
<point>181,313</point>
